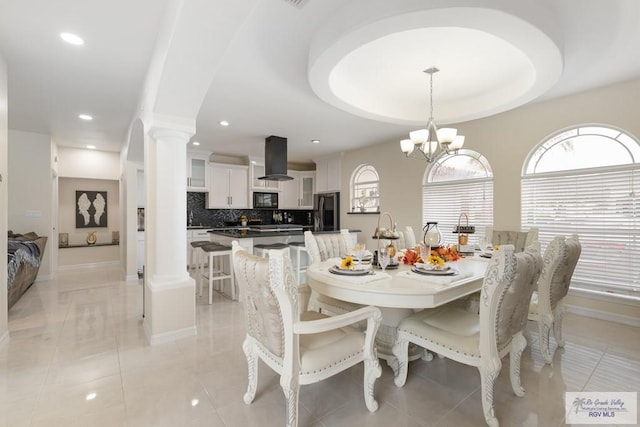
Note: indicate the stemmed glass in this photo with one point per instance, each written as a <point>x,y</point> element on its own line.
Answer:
<point>360,251</point>
<point>425,252</point>
<point>385,259</point>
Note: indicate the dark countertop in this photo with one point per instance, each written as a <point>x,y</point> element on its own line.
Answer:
<point>244,234</point>
<point>231,232</point>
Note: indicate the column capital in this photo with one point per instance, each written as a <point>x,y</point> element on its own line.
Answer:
<point>162,127</point>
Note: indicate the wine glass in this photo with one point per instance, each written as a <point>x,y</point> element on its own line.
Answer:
<point>425,252</point>
<point>385,258</point>
<point>360,251</point>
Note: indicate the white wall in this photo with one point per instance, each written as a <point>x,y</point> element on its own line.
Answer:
<point>81,163</point>
<point>505,140</point>
<point>30,182</point>
<point>4,151</point>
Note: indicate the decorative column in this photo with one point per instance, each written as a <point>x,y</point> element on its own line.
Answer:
<point>169,290</point>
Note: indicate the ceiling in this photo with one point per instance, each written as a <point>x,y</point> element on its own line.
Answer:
<point>347,73</point>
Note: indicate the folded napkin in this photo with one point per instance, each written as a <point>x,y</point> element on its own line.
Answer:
<point>433,279</point>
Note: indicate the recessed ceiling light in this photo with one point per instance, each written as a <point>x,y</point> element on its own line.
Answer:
<point>91,396</point>
<point>72,39</point>
<point>91,147</point>
<point>195,143</point>
<point>315,141</point>
<point>223,123</point>
<point>85,117</point>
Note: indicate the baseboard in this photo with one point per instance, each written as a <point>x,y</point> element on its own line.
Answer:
<point>170,336</point>
<point>106,264</point>
<point>4,339</point>
<point>604,315</point>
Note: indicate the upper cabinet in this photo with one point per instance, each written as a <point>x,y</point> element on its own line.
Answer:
<point>298,192</point>
<point>229,187</point>
<point>328,173</point>
<point>256,170</point>
<point>197,176</point>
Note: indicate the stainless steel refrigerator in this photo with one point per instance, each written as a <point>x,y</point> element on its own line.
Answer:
<point>326,208</point>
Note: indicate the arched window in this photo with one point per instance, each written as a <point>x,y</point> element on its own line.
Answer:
<point>365,195</point>
<point>582,180</point>
<point>457,184</point>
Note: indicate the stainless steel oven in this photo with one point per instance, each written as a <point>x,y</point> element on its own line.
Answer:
<point>265,200</point>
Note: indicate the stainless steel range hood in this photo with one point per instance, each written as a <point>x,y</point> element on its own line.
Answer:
<point>275,159</point>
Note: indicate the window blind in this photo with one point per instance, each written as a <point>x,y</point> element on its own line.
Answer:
<point>600,206</point>
<point>443,202</point>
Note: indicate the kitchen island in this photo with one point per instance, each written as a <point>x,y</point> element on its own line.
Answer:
<point>265,234</point>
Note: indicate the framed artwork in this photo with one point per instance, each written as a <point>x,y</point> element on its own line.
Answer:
<point>91,209</point>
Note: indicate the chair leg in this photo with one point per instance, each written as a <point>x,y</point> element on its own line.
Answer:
<point>211,268</point>
<point>252,365</point>
<point>291,389</point>
<point>544,328</point>
<point>518,344</point>
<point>488,373</point>
<point>401,352</point>
<point>557,323</point>
<point>372,371</point>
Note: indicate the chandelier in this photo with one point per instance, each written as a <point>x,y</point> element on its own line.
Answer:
<point>430,142</point>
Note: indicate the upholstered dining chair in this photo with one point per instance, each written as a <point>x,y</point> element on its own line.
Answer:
<point>409,237</point>
<point>480,340</point>
<point>519,239</point>
<point>547,304</point>
<point>321,247</point>
<point>301,348</point>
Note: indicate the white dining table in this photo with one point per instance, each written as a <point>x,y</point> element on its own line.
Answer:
<point>398,293</point>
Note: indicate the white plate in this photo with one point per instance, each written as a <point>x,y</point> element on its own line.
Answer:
<point>348,272</point>
<point>431,267</point>
<point>447,272</point>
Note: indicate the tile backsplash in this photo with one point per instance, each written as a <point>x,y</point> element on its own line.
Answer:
<point>218,217</point>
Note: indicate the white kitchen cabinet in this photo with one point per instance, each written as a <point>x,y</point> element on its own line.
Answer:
<point>197,176</point>
<point>228,188</point>
<point>328,173</point>
<point>298,192</point>
<point>257,170</point>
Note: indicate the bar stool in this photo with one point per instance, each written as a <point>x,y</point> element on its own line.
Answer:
<point>216,254</point>
<point>263,249</point>
<point>194,254</point>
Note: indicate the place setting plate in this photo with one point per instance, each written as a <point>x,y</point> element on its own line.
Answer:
<point>434,271</point>
<point>350,272</point>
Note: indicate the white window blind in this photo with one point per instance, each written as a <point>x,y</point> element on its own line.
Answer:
<point>600,206</point>
<point>443,202</point>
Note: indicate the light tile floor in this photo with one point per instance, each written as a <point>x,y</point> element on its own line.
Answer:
<point>78,356</point>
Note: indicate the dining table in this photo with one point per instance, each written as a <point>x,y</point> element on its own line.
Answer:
<point>398,292</point>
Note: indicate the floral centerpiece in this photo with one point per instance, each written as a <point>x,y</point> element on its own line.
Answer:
<point>438,256</point>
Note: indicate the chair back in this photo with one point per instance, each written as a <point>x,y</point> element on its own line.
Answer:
<point>519,239</point>
<point>271,296</point>
<point>321,247</point>
<point>558,284</point>
<point>504,299</point>
<point>409,237</point>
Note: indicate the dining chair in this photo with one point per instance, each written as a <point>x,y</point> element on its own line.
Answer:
<point>302,348</point>
<point>409,237</point>
<point>547,304</point>
<point>519,239</point>
<point>321,247</point>
<point>480,340</point>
